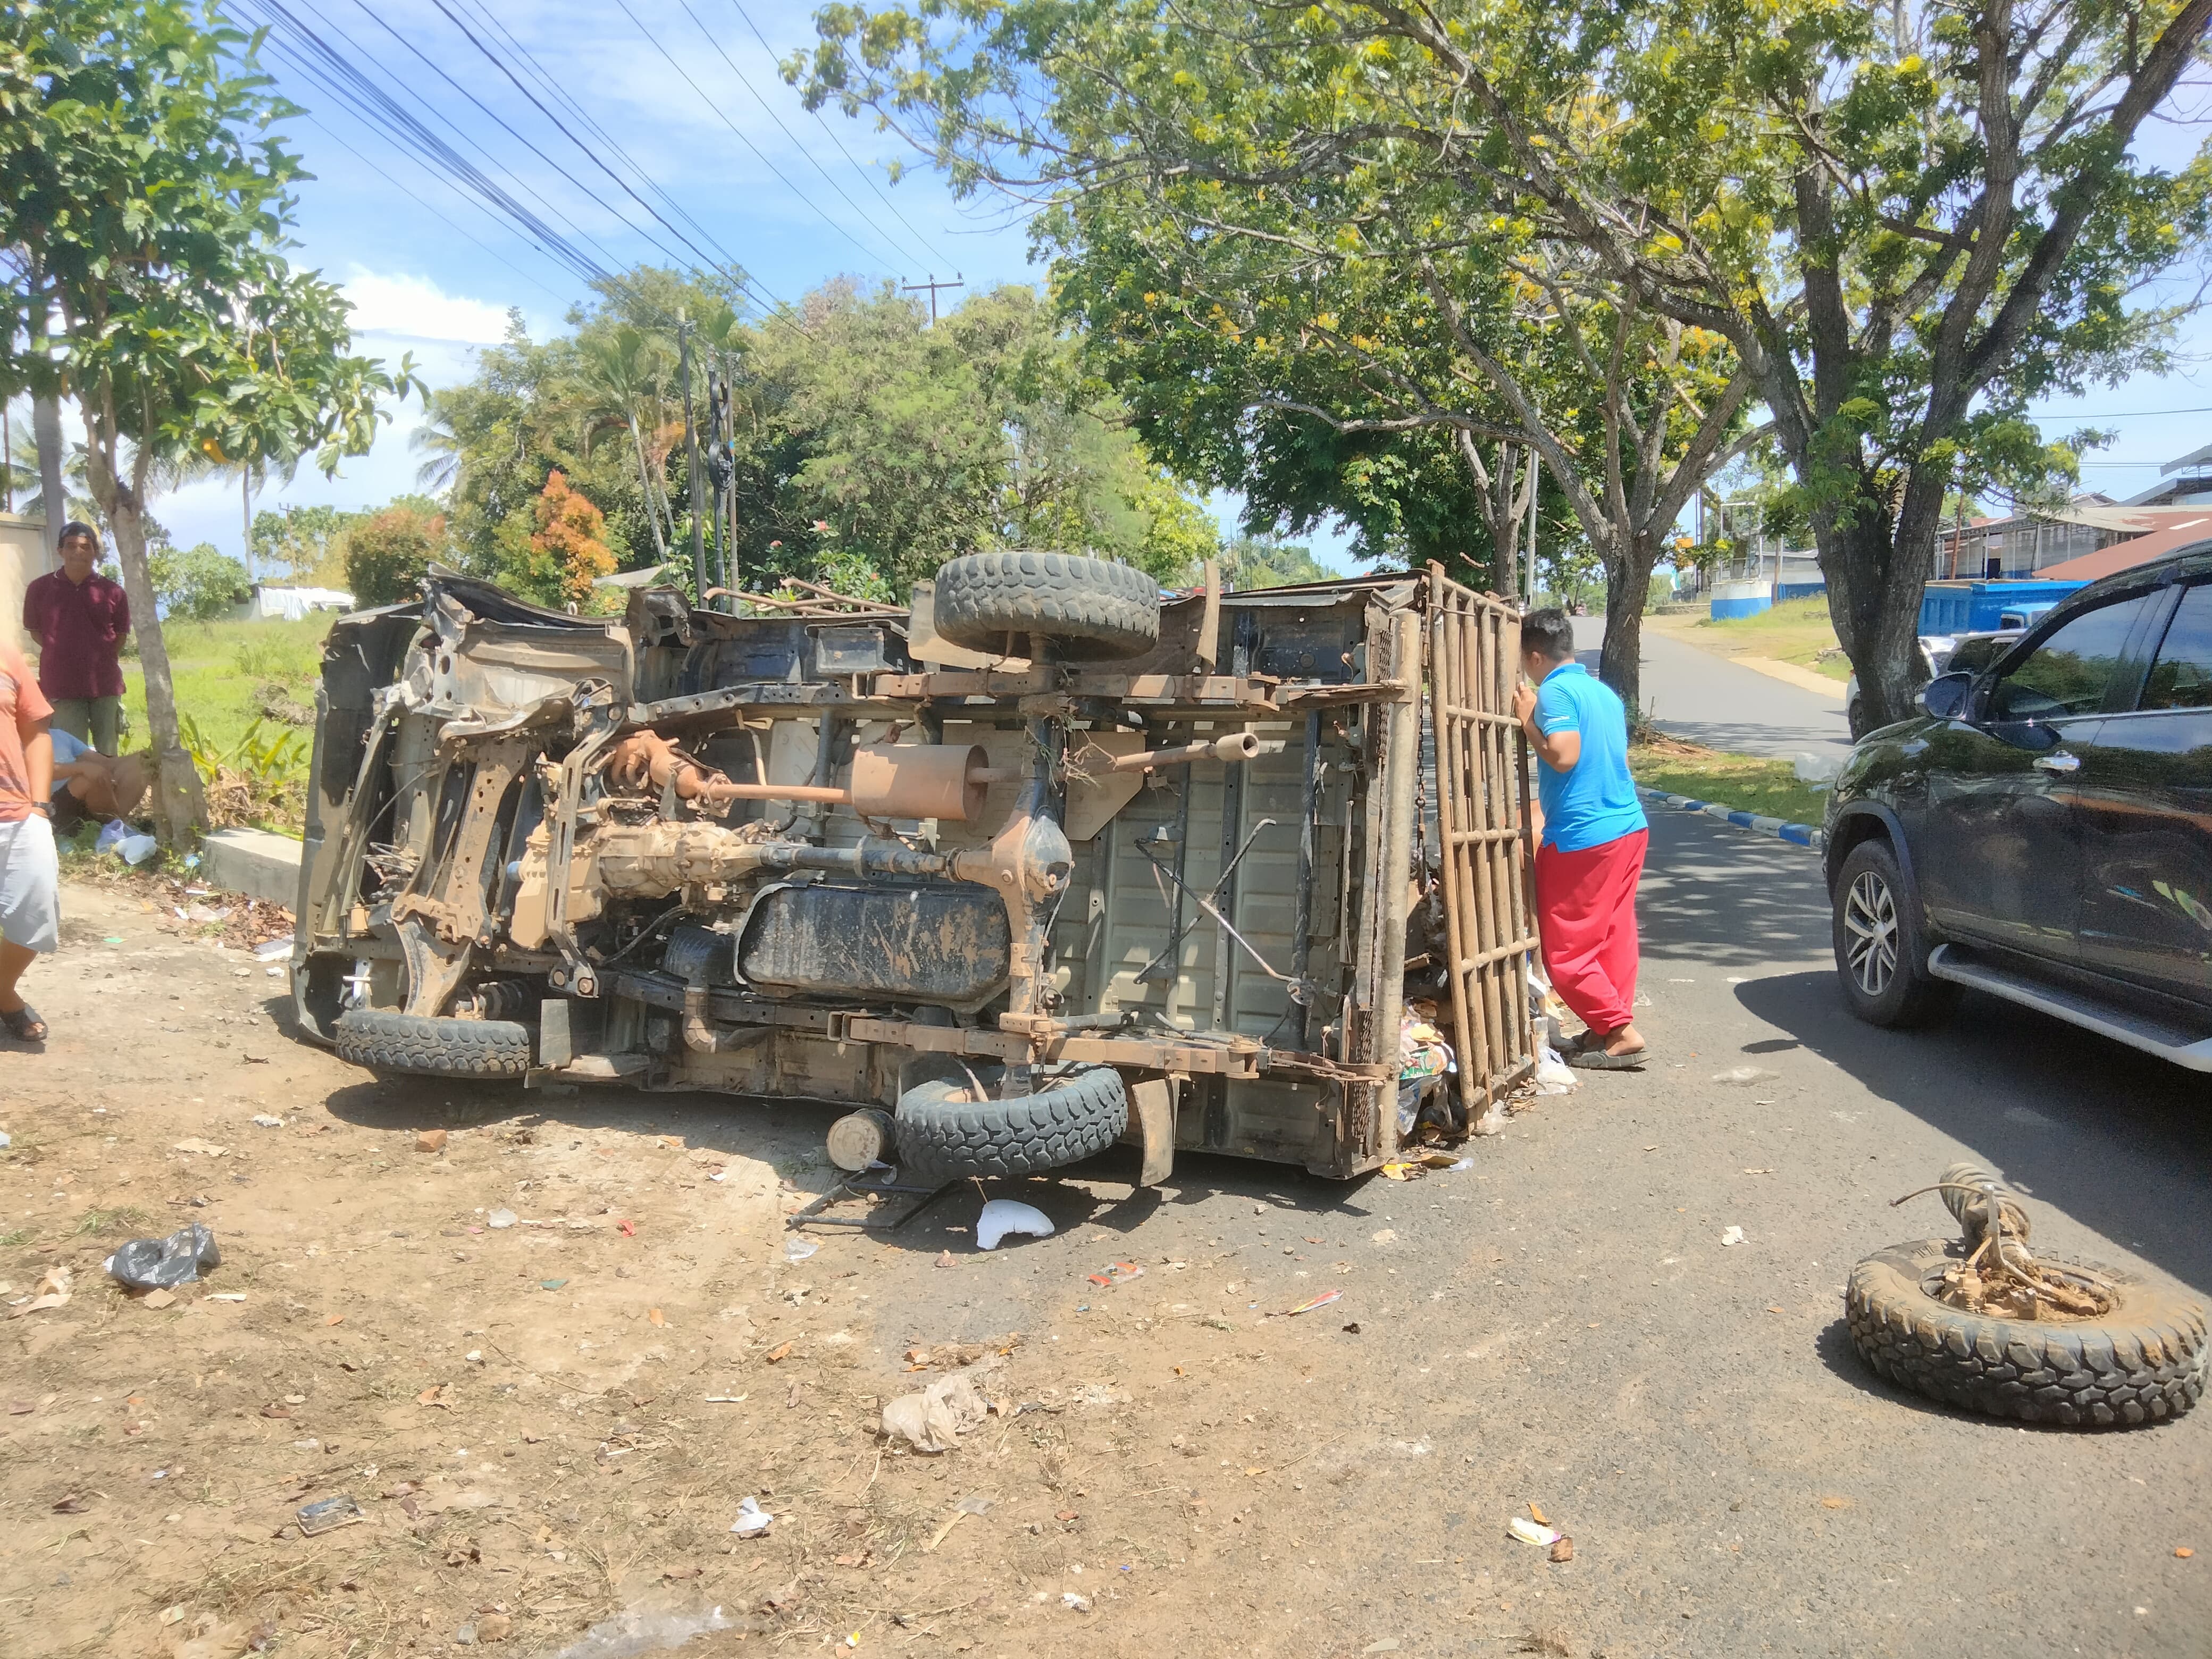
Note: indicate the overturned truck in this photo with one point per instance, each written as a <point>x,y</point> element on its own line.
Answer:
<point>1041,864</point>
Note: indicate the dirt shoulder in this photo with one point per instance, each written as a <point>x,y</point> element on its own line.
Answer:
<point>551,1425</point>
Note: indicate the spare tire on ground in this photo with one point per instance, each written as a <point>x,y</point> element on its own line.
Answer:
<point>432,1047</point>
<point>2143,1361</point>
<point>1091,609</point>
<point>944,1132</point>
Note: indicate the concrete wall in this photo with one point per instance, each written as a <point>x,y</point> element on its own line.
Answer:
<point>22,561</point>
<point>1741,599</point>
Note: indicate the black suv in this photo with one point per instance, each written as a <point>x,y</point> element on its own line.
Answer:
<point>2042,829</point>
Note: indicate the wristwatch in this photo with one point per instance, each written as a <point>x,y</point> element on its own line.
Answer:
<point>44,806</point>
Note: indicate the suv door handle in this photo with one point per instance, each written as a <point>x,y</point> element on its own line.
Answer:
<point>2061,762</point>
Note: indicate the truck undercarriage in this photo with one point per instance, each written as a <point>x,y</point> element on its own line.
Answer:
<point>1041,864</point>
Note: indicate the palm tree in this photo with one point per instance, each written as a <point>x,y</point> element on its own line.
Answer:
<point>436,437</point>
<point>617,374</point>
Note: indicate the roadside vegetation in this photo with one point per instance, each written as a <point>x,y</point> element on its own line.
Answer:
<point>245,703</point>
<point>1745,782</point>
<point>1794,631</point>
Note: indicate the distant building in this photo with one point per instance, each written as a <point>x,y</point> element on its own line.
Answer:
<point>2091,536</point>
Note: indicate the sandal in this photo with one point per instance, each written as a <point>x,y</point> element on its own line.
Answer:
<point>1595,1059</point>
<point>24,1025</point>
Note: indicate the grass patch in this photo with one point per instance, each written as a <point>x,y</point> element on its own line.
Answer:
<point>10,1240</point>
<point>1745,782</point>
<point>1795,631</point>
<point>109,1221</point>
<point>229,674</point>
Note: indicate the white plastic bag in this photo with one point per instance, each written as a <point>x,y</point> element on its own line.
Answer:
<point>1002,1216</point>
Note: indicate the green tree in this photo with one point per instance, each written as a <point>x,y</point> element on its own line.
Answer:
<point>1250,561</point>
<point>305,541</point>
<point>146,199</point>
<point>387,554</point>
<point>197,584</point>
<point>1907,223</point>
<point>1293,270</point>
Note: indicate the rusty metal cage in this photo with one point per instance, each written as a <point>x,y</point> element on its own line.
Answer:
<point>1482,783</point>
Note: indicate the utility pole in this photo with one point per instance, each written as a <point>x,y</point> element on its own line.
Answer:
<point>933,285</point>
<point>691,463</point>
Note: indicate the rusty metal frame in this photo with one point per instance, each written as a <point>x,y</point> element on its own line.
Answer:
<point>1474,652</point>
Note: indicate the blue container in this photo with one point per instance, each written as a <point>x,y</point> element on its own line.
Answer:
<point>1976,607</point>
<point>1800,591</point>
<point>1745,597</point>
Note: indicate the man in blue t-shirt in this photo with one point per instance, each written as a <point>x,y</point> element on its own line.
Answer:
<point>1590,853</point>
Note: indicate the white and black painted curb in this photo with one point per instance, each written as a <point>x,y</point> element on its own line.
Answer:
<point>1803,835</point>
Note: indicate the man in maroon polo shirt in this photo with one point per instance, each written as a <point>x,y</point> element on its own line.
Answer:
<point>79,619</point>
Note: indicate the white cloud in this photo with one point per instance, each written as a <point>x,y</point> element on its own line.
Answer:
<point>416,308</point>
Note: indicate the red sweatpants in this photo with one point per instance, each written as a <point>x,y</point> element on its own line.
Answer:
<point>1586,917</point>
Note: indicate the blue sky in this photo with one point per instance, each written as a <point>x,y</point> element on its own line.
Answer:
<point>430,271</point>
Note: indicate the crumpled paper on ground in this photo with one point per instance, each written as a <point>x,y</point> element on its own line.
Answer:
<point>934,1419</point>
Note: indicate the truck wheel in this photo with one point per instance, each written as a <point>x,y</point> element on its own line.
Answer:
<point>1881,944</point>
<point>1093,609</point>
<point>2144,1362</point>
<point>431,1046</point>
<point>944,1132</point>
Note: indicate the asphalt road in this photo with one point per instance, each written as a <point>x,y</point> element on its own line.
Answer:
<point>1707,699</point>
<point>1562,1323</point>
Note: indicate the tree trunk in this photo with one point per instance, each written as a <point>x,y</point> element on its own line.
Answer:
<point>46,432</point>
<point>179,806</point>
<point>1627,586</point>
<point>645,483</point>
<point>1874,589</point>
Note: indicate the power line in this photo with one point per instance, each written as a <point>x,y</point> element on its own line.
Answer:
<point>866,178</point>
<point>745,81</point>
<point>377,109</point>
<point>458,229</point>
<point>871,254</point>
<point>561,96</point>
<point>499,63</point>
<point>2117,414</point>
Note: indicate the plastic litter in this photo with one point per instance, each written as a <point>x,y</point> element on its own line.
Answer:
<point>272,950</point>
<point>1002,1216</point>
<point>110,833</point>
<point>1742,1076</point>
<point>1310,1304</point>
<point>501,1219</point>
<point>1116,1272</point>
<point>151,1264</point>
<point>752,1519</point>
<point>1732,1236</point>
<point>329,1514</point>
<point>933,1420</point>
<point>1529,1533</point>
<point>1073,1602</point>
<point>797,1248</point>
<point>1554,1075</point>
<point>5,1138</point>
<point>641,1630</point>
<point>267,1121</point>
<point>137,849</point>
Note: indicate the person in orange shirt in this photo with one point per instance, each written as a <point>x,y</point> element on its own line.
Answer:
<point>30,874</point>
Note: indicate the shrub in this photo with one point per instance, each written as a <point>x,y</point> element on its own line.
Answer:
<point>197,584</point>
<point>387,555</point>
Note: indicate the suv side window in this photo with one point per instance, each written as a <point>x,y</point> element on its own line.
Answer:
<point>2070,671</point>
<point>2181,677</point>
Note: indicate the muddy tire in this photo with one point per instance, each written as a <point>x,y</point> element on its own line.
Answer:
<point>1093,610</point>
<point>430,1047</point>
<point>944,1134</point>
<point>2143,1363</point>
